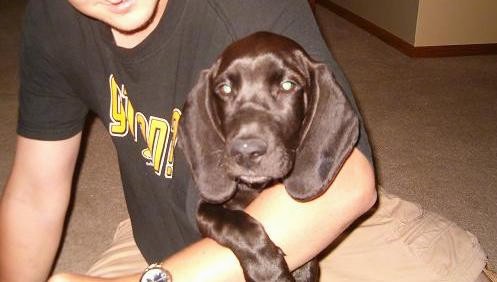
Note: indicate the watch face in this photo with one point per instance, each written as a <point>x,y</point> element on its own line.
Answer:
<point>156,274</point>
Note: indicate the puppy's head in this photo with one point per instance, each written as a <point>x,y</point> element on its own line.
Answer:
<point>252,115</point>
<point>258,105</point>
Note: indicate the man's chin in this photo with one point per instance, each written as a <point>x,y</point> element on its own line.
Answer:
<point>136,21</point>
<point>129,26</point>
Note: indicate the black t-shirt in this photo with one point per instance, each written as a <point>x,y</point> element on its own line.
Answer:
<point>70,65</point>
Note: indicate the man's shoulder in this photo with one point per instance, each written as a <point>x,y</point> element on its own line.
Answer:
<point>53,27</point>
<point>51,20</point>
<point>50,12</point>
<point>254,5</point>
<point>246,17</point>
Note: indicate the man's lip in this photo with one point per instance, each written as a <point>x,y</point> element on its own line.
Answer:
<point>120,7</point>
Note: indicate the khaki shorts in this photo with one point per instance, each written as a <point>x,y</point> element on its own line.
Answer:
<point>398,241</point>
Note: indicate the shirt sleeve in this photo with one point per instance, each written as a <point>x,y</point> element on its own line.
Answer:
<point>48,107</point>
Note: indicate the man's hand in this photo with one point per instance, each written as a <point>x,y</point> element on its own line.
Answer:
<point>70,277</point>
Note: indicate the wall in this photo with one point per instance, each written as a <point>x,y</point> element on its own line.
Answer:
<point>396,16</point>
<point>456,22</point>
<point>430,22</point>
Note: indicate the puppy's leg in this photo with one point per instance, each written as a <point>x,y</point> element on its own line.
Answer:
<point>308,272</point>
<point>260,258</point>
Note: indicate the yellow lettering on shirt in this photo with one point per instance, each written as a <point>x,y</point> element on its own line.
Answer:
<point>159,135</point>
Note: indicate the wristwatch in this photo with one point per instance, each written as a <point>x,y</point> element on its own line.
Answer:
<point>156,273</point>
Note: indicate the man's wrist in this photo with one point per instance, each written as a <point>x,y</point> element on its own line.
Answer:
<point>156,273</point>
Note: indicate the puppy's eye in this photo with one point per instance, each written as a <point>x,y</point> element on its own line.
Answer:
<point>225,89</point>
<point>287,85</point>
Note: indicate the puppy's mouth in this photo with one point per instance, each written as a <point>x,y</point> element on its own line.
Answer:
<point>254,179</point>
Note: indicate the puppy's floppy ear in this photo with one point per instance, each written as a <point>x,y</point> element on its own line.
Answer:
<point>202,143</point>
<point>329,134</point>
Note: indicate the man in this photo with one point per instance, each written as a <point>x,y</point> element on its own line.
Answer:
<point>132,62</point>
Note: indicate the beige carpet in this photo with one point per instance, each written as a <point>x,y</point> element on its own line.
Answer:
<point>432,122</point>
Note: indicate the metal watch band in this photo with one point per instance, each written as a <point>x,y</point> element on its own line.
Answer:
<point>156,273</point>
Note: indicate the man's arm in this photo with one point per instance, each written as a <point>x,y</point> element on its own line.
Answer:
<point>301,230</point>
<point>33,207</point>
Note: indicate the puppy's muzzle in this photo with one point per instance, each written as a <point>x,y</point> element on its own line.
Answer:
<point>248,151</point>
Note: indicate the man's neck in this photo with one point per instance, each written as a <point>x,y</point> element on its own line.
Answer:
<point>132,39</point>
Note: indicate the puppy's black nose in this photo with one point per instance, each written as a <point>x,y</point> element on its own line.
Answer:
<point>248,149</point>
